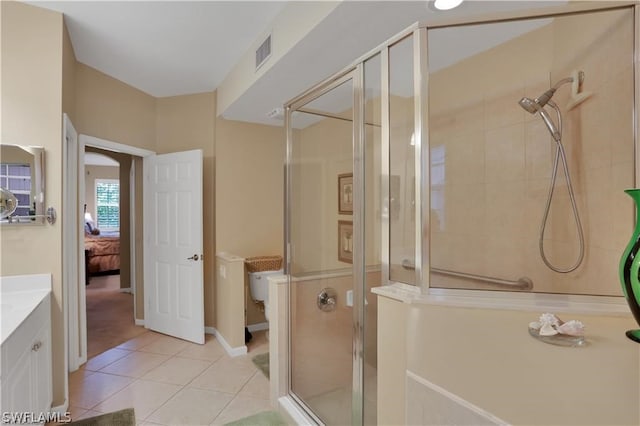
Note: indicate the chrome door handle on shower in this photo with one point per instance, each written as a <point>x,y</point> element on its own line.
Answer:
<point>194,257</point>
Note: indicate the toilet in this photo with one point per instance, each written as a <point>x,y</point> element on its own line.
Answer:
<point>259,285</point>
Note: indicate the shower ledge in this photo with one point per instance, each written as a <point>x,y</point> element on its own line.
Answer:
<point>513,301</point>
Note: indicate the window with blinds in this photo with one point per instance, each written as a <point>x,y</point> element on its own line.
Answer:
<point>17,179</point>
<point>107,204</point>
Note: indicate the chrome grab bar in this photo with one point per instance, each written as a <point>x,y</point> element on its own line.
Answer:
<point>523,283</point>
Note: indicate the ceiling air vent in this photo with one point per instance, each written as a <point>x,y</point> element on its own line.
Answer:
<point>263,52</point>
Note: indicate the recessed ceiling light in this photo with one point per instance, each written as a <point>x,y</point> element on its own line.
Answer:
<point>446,4</point>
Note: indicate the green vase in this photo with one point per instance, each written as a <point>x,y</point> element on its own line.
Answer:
<point>630,269</point>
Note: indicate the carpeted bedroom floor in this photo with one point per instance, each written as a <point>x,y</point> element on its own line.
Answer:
<point>110,319</point>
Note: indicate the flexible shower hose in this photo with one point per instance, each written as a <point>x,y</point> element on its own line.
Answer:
<point>560,154</point>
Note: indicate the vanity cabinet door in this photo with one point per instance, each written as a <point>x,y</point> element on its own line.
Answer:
<point>41,367</point>
<point>17,387</point>
<point>26,365</point>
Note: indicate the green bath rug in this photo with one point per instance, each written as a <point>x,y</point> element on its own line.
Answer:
<point>124,417</point>
<point>262,362</point>
<point>265,418</point>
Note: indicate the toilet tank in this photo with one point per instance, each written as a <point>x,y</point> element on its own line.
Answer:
<point>259,284</point>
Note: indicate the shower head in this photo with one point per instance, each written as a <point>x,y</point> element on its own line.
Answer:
<point>533,106</point>
<point>529,105</point>
<point>537,105</point>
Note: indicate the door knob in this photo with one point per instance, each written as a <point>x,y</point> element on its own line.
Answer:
<point>194,257</point>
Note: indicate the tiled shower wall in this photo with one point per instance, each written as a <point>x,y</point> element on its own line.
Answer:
<point>492,161</point>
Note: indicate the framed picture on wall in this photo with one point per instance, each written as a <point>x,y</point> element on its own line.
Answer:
<point>345,193</point>
<point>345,241</point>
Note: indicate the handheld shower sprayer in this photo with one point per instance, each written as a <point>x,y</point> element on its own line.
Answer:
<point>537,105</point>
<point>532,106</point>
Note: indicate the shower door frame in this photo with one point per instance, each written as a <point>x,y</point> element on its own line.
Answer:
<point>355,71</point>
<point>355,74</point>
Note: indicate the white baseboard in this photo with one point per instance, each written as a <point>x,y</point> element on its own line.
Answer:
<point>139,322</point>
<point>126,290</point>
<point>233,352</point>
<point>258,327</point>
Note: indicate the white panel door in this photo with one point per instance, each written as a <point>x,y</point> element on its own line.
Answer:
<point>173,277</point>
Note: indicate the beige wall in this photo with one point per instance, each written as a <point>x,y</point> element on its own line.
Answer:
<point>68,77</point>
<point>184,123</point>
<point>498,158</point>
<point>249,188</point>
<point>32,52</point>
<point>320,153</point>
<point>249,193</point>
<point>110,109</point>
<point>229,299</point>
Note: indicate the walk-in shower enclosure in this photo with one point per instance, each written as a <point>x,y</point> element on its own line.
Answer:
<point>417,166</point>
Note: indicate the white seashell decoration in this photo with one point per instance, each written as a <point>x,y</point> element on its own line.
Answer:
<point>549,319</point>
<point>572,328</point>
<point>551,329</point>
<point>548,330</point>
<point>550,325</point>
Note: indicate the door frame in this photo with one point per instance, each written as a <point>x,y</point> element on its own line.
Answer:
<point>72,267</point>
<point>77,324</point>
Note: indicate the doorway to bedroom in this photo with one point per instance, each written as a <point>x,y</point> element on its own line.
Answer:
<point>109,293</point>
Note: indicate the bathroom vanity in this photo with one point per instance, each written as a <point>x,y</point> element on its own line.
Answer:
<point>25,312</point>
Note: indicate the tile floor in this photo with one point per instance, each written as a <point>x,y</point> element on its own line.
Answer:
<point>169,381</point>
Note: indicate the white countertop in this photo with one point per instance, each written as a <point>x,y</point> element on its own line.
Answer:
<point>19,296</point>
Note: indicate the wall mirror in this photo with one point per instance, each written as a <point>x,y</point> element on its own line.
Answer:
<point>22,183</point>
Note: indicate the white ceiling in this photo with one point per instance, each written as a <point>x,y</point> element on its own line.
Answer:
<point>167,48</point>
<point>164,48</point>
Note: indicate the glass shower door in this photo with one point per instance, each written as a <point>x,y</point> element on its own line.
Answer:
<point>321,238</point>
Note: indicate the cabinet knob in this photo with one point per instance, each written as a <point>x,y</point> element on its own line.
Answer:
<point>36,346</point>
